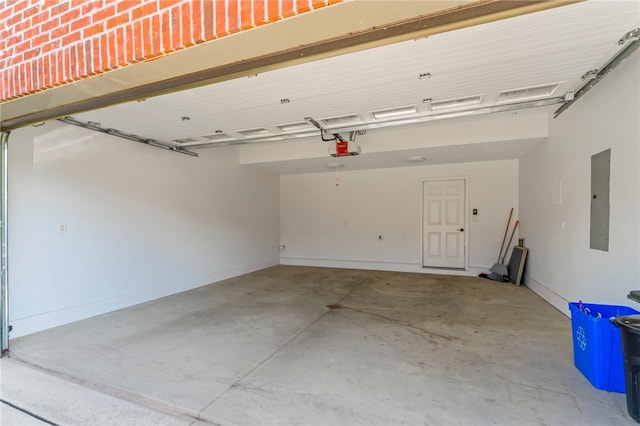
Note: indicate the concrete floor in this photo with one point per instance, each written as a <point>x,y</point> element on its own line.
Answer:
<point>318,346</point>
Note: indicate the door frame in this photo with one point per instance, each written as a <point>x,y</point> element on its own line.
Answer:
<point>465,219</point>
<point>4,244</point>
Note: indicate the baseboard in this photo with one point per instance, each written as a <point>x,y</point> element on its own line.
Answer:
<point>377,265</point>
<point>547,294</point>
<point>47,320</point>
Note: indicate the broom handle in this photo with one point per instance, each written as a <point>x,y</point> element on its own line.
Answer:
<point>505,235</point>
<point>509,243</point>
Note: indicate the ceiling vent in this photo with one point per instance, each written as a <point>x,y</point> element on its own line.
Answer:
<point>527,93</point>
<point>254,133</point>
<point>295,127</point>
<point>456,103</point>
<point>341,121</point>
<point>218,137</point>
<point>395,112</point>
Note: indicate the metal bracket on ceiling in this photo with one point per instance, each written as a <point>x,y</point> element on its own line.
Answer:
<point>592,77</point>
<point>335,137</point>
<point>114,132</point>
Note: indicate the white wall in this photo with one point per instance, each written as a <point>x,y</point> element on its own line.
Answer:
<point>141,222</point>
<point>561,266</point>
<point>325,225</point>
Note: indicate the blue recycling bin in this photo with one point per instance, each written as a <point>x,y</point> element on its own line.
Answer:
<point>597,346</point>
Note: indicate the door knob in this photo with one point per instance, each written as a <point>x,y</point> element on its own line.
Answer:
<point>461,229</point>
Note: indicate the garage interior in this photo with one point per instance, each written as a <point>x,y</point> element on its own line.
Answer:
<point>264,281</point>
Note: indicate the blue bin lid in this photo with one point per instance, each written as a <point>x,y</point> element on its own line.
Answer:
<point>630,323</point>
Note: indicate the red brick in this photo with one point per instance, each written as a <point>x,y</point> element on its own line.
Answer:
<point>28,35</point>
<point>30,12</point>
<point>96,62</point>
<point>50,25</point>
<point>220,19</point>
<point>71,38</point>
<point>82,72</point>
<point>43,73</point>
<point>165,22</point>
<point>104,13</point>
<point>128,46</point>
<point>93,30</point>
<point>15,59</point>
<point>232,16</point>
<point>29,54</point>
<point>41,39</point>
<point>91,6</point>
<point>20,81</point>
<point>71,15</point>
<point>104,52</point>
<point>273,11</point>
<point>117,21</point>
<point>127,4</point>
<point>21,26</point>
<point>187,31</point>
<point>78,24</point>
<point>5,12</point>
<point>73,62</point>
<point>18,5</point>
<point>48,47</point>
<point>14,19</point>
<point>121,56</point>
<point>39,18</point>
<point>88,57</point>
<point>175,29</point>
<point>138,41</point>
<point>166,4</point>
<point>207,18</point>
<point>246,13</point>
<point>60,32</point>
<point>27,77</point>
<point>56,67</point>
<point>288,8</point>
<point>197,15</point>
<point>156,34</point>
<point>144,38</point>
<point>14,40</point>
<point>59,8</point>
<point>144,10</point>
<point>113,51</point>
<point>302,6</point>
<point>22,47</point>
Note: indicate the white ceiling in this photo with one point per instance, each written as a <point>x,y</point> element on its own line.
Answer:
<point>552,47</point>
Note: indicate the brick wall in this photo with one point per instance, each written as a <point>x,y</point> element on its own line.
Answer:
<point>47,43</point>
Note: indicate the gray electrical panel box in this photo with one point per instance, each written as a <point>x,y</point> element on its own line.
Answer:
<point>600,171</point>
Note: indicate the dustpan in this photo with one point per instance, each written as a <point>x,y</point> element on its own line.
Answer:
<point>501,268</point>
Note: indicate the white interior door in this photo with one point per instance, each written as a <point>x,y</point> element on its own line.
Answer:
<point>443,241</point>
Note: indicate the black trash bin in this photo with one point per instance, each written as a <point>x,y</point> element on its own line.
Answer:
<point>630,333</point>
